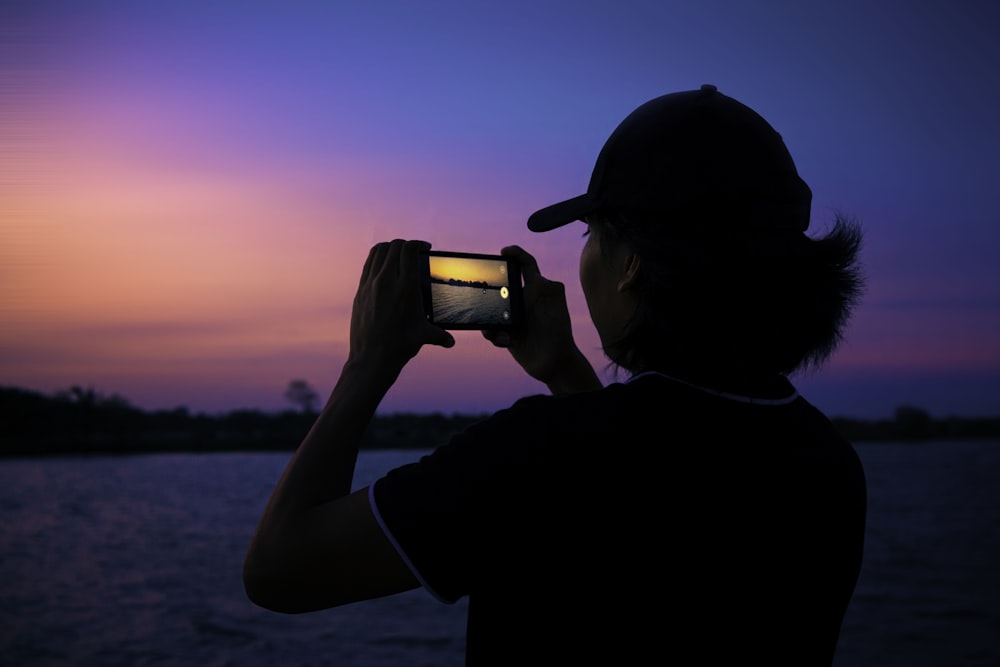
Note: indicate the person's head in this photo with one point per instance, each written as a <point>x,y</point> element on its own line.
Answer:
<point>697,260</point>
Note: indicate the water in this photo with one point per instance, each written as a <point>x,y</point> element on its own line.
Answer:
<point>136,561</point>
<point>458,304</point>
<point>929,592</point>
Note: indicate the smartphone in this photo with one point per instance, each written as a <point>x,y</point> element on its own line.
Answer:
<point>463,290</point>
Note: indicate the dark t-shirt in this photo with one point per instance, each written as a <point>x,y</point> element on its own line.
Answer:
<point>635,524</point>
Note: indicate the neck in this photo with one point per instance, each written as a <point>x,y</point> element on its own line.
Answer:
<point>737,379</point>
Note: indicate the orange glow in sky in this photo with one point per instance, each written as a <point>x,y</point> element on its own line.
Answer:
<point>188,195</point>
<point>475,270</point>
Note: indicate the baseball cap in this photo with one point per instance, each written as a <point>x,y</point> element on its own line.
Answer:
<point>691,151</point>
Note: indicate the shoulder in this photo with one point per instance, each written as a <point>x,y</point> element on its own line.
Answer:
<point>614,407</point>
<point>529,438</point>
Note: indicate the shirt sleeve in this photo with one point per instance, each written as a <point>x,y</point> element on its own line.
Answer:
<point>446,512</point>
<point>423,518</point>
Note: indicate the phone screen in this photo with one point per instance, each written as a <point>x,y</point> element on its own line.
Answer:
<point>470,290</point>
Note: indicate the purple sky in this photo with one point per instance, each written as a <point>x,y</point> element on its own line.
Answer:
<point>191,187</point>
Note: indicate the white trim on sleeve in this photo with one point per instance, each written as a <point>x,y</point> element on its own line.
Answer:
<point>399,548</point>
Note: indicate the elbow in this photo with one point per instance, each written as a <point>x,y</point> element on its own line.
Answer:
<point>256,585</point>
<point>265,593</point>
<point>279,588</point>
<point>265,587</point>
<point>264,597</point>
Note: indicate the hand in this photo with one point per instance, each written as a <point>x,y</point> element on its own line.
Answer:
<point>388,326</point>
<point>543,345</point>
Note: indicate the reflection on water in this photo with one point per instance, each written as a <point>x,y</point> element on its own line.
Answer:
<point>136,560</point>
<point>462,304</point>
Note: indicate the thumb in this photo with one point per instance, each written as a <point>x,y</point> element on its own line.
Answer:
<point>440,337</point>
<point>498,338</point>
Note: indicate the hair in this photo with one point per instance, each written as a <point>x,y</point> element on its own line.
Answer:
<point>725,303</point>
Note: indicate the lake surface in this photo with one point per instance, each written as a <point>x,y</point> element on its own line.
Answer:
<point>462,304</point>
<point>136,561</point>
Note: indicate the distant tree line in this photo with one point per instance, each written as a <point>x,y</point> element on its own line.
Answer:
<point>81,421</point>
<point>914,423</point>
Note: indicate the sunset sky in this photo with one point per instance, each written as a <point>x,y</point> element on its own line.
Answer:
<point>475,269</point>
<point>188,189</point>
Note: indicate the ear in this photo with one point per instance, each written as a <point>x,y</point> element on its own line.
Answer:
<point>630,273</point>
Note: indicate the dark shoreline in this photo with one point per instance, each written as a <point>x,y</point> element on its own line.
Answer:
<point>84,423</point>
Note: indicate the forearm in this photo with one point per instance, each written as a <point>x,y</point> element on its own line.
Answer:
<point>315,536</point>
<point>322,468</point>
<point>303,554</point>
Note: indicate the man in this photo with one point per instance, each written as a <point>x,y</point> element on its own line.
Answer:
<point>702,510</point>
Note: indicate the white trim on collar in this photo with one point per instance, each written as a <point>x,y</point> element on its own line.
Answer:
<point>753,400</point>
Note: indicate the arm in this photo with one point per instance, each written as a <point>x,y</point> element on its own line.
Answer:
<point>544,346</point>
<point>318,545</point>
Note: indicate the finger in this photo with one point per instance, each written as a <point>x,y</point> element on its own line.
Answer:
<point>409,261</point>
<point>379,254</point>
<point>372,261</point>
<point>390,260</point>
<point>498,338</point>
<point>442,338</point>
<point>529,267</point>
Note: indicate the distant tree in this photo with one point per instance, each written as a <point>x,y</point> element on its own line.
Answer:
<point>913,422</point>
<point>302,394</point>
<point>79,395</point>
<point>89,397</point>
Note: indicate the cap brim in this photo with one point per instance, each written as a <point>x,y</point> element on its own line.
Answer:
<point>562,213</point>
